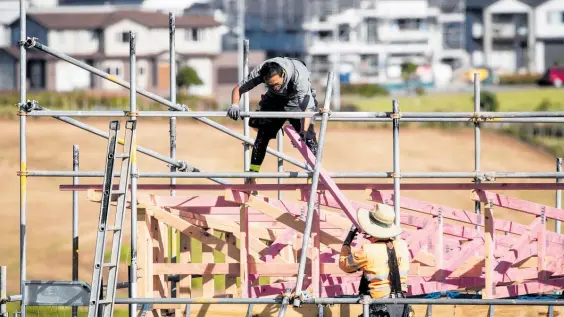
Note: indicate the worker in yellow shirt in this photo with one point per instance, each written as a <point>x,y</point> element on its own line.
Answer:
<point>384,261</point>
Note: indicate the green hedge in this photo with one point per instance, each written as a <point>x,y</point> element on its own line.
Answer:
<point>89,101</point>
<point>520,79</point>
<point>365,90</point>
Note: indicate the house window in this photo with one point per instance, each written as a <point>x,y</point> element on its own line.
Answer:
<point>555,17</point>
<point>194,35</point>
<point>141,70</point>
<point>410,24</point>
<point>117,71</point>
<point>123,37</point>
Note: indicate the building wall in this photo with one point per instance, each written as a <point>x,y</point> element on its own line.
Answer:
<point>69,77</point>
<point>116,68</point>
<point>74,41</point>
<point>197,40</point>
<point>8,71</point>
<point>116,44</point>
<point>548,19</point>
<point>33,29</point>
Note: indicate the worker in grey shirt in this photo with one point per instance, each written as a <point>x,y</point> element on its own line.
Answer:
<point>289,89</point>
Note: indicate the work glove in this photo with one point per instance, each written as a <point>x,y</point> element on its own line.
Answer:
<point>233,112</point>
<point>350,237</point>
<point>303,135</point>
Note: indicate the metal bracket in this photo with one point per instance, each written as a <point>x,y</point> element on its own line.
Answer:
<point>183,107</point>
<point>395,115</point>
<point>132,113</point>
<point>22,173</point>
<point>30,42</point>
<point>29,106</point>
<point>395,175</point>
<point>183,166</point>
<point>323,110</point>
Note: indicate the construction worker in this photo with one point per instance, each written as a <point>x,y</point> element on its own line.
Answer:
<point>288,89</point>
<point>384,261</point>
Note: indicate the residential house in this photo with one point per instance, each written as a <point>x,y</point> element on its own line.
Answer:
<point>516,35</point>
<point>549,34</point>
<point>369,43</point>
<point>101,39</point>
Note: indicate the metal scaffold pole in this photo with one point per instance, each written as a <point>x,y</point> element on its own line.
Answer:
<point>172,123</point>
<point>75,245</point>
<point>23,158</point>
<point>396,159</point>
<point>133,218</point>
<point>246,147</point>
<point>313,192</point>
<point>477,145</point>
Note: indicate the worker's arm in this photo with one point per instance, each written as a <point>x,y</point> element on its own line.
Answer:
<point>304,96</point>
<point>252,80</point>
<point>352,261</point>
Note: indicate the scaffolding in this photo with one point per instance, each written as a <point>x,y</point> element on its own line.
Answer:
<point>320,180</point>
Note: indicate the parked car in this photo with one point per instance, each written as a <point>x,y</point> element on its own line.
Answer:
<point>554,76</point>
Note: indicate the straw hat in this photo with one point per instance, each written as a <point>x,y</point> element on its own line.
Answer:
<point>379,222</point>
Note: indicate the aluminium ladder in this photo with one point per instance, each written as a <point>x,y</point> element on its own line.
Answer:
<point>100,305</point>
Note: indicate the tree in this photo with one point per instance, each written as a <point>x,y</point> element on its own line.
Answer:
<point>188,77</point>
<point>408,69</point>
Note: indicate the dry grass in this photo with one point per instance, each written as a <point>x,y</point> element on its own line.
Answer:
<point>50,148</point>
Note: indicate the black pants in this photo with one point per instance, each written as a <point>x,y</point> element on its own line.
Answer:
<point>268,129</point>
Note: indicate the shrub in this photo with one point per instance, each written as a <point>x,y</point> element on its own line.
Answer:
<point>518,79</point>
<point>350,108</point>
<point>365,90</point>
<point>419,91</point>
<point>489,101</point>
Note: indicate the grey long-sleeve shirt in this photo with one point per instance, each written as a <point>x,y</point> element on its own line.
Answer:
<point>299,94</point>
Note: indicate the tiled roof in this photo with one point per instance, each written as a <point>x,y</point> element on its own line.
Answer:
<point>99,20</point>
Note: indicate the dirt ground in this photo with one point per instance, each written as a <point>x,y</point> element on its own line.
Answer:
<point>50,145</point>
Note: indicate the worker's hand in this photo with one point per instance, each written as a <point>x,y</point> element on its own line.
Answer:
<point>303,135</point>
<point>350,237</point>
<point>233,112</point>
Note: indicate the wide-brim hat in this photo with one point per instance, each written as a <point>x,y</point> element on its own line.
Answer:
<point>379,222</point>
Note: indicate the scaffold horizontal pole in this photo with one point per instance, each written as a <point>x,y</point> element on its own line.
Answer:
<point>508,117</point>
<point>342,186</point>
<point>471,175</point>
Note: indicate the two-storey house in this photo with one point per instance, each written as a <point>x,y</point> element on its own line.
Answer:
<point>516,35</point>
<point>101,39</point>
<point>372,41</point>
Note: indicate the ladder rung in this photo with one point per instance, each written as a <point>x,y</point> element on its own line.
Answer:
<point>123,155</point>
<point>104,302</point>
<point>113,229</point>
<point>118,192</point>
<point>109,265</point>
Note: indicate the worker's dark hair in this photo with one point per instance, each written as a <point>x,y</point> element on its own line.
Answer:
<point>270,69</point>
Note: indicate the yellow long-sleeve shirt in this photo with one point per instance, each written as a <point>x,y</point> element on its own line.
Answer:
<point>372,260</point>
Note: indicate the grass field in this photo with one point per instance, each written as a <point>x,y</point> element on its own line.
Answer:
<point>521,100</point>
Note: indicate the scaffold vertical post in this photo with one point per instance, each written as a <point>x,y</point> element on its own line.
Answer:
<point>23,158</point>
<point>75,245</point>
<point>396,159</point>
<point>133,217</point>
<point>558,194</point>
<point>477,144</point>
<point>246,132</point>
<point>172,61</point>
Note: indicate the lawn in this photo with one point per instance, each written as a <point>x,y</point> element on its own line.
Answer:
<point>518,100</point>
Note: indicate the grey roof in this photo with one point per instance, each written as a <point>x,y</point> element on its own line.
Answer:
<point>99,20</point>
<point>480,4</point>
